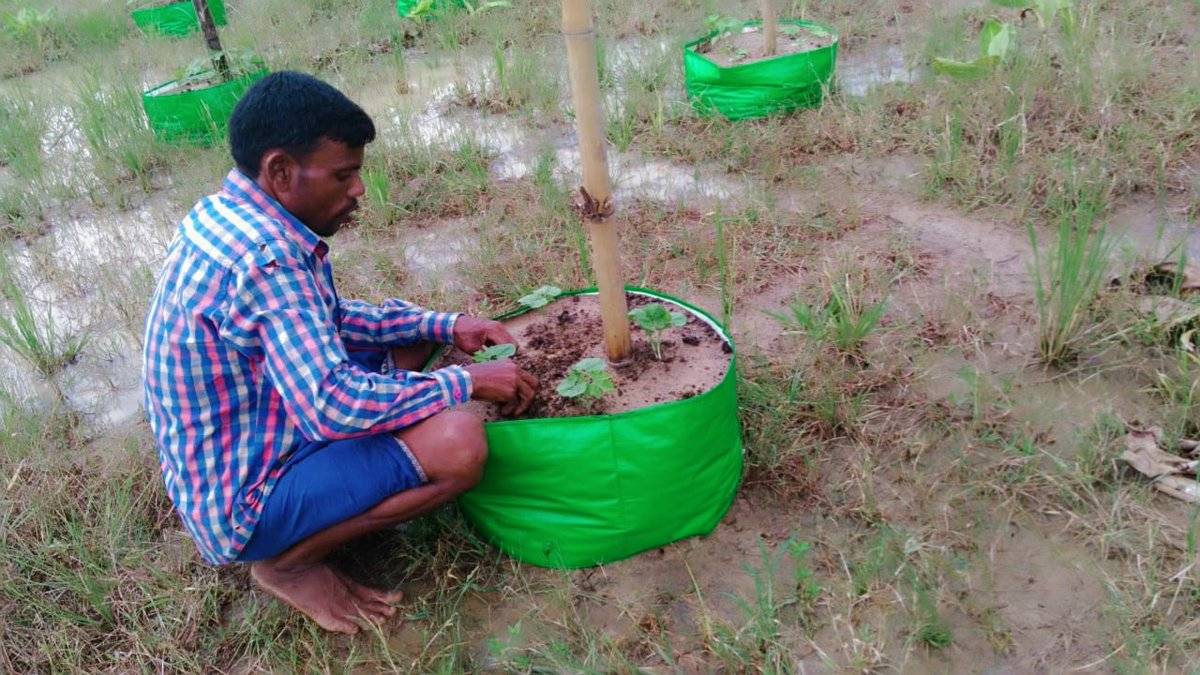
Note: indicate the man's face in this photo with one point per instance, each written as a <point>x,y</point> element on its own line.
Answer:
<point>325,187</point>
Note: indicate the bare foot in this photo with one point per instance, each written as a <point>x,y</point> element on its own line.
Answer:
<point>367,593</point>
<point>322,595</point>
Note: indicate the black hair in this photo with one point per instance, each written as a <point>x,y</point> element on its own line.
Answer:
<point>293,111</point>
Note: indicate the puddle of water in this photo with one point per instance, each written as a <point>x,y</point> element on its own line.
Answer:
<point>76,277</point>
<point>859,72</point>
<point>1156,232</point>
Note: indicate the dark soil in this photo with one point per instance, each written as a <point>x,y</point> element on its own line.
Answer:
<point>738,49</point>
<point>555,337</point>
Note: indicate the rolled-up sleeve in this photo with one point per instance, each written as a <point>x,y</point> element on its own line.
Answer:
<point>276,315</point>
<point>395,323</point>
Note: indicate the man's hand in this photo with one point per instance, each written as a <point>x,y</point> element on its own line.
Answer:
<point>472,334</point>
<point>503,382</point>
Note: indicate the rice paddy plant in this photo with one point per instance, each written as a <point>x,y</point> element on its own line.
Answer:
<point>31,333</point>
<point>22,125</point>
<point>32,35</point>
<point>21,211</point>
<point>121,143</point>
<point>1069,273</point>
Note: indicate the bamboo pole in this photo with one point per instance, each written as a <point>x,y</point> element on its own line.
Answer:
<point>580,37</point>
<point>770,27</point>
<point>212,38</point>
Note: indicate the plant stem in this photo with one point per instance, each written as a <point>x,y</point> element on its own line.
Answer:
<point>589,123</point>
<point>770,27</point>
<point>212,39</point>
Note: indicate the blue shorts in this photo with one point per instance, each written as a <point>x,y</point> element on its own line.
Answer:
<point>328,482</point>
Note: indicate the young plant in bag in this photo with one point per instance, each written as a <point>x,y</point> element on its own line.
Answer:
<point>540,297</point>
<point>654,319</point>
<point>587,382</point>
<point>494,353</point>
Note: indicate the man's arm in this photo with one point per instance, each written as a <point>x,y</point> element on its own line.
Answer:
<point>395,323</point>
<point>276,314</point>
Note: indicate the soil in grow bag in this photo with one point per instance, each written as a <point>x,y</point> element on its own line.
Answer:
<point>727,74</point>
<point>173,18</point>
<point>552,339</point>
<point>748,46</point>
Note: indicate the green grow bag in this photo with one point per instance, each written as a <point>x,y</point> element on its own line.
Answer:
<point>199,117</point>
<point>412,8</point>
<point>176,19</point>
<point>573,492</point>
<point>752,90</point>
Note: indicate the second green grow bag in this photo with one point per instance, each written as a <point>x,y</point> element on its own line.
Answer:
<point>199,117</point>
<point>176,19</point>
<point>780,84</point>
<point>572,492</point>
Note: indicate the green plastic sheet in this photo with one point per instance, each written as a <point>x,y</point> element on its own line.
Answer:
<point>199,117</point>
<point>176,19</point>
<point>574,492</point>
<point>763,88</point>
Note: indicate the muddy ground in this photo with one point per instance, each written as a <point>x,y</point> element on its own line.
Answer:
<point>939,500</point>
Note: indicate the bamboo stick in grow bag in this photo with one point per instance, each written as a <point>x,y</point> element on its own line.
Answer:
<point>769,26</point>
<point>597,192</point>
<point>212,38</point>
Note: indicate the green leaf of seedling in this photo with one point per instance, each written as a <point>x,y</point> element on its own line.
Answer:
<point>494,353</point>
<point>962,70</point>
<point>1012,4</point>
<point>590,365</point>
<point>677,319</point>
<point>573,386</point>
<point>994,39</point>
<point>540,297</point>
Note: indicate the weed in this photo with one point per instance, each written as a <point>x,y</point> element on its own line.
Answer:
<point>22,125</point>
<point>32,334</point>
<point>1068,277</point>
<point>121,143</point>
<point>845,319</point>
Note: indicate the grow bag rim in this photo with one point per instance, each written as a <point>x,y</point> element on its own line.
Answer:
<point>153,91</point>
<point>690,47</point>
<point>636,290</point>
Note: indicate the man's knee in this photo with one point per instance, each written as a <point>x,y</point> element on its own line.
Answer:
<point>451,448</point>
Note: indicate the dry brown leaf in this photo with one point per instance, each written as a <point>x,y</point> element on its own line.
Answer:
<point>1143,453</point>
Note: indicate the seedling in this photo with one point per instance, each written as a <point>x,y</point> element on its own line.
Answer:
<point>494,353</point>
<point>587,381</point>
<point>540,297</point>
<point>994,41</point>
<point>654,319</point>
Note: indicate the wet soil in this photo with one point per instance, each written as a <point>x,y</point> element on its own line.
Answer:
<point>555,337</point>
<point>747,46</point>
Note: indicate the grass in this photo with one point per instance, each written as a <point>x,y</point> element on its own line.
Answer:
<point>902,436</point>
<point>1069,274</point>
<point>31,333</point>
<point>110,117</point>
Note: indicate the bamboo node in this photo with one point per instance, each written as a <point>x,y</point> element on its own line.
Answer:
<point>592,209</point>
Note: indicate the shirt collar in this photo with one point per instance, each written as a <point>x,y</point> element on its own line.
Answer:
<point>242,188</point>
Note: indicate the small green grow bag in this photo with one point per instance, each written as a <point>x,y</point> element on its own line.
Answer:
<point>412,8</point>
<point>176,19</point>
<point>573,492</point>
<point>781,84</point>
<point>199,117</point>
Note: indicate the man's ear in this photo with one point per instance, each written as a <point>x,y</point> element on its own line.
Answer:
<point>278,169</point>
